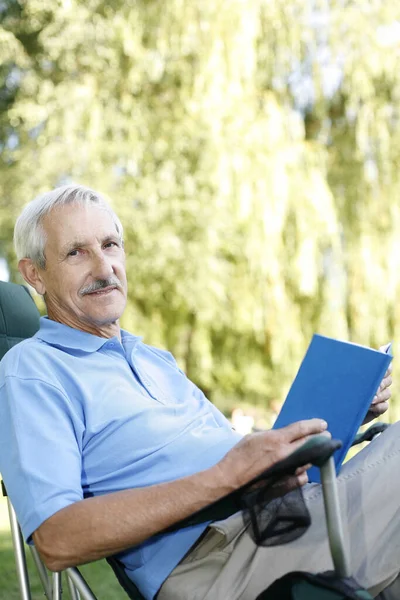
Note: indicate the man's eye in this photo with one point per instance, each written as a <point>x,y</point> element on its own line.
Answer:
<point>110,244</point>
<point>73,253</point>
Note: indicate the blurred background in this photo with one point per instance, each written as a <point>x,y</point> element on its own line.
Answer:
<point>252,151</point>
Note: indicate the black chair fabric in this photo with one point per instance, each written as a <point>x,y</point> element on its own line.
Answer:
<point>123,579</point>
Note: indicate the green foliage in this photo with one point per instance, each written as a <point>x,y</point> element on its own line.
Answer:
<point>251,149</point>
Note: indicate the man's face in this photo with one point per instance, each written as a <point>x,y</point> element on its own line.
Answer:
<point>84,280</point>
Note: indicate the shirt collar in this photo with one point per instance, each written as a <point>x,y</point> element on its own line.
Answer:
<point>63,336</point>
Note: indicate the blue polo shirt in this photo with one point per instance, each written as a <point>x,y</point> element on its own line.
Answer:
<point>83,415</point>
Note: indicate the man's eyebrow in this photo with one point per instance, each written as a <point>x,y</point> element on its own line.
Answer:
<point>77,243</point>
<point>71,245</point>
<point>114,237</point>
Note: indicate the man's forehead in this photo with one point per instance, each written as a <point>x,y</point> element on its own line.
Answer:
<point>77,224</point>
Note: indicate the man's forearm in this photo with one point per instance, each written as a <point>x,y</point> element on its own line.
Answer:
<point>104,525</point>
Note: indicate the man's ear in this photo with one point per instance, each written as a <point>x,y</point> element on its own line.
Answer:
<point>31,273</point>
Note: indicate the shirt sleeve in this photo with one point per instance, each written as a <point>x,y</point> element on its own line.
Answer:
<point>218,416</point>
<point>40,449</point>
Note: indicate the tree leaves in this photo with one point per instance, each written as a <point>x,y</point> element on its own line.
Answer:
<point>251,150</point>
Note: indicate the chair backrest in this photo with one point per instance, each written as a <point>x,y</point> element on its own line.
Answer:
<point>19,317</point>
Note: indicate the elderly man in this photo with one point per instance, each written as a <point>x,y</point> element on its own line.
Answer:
<point>105,443</point>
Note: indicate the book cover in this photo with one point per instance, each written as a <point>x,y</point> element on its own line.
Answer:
<point>337,381</point>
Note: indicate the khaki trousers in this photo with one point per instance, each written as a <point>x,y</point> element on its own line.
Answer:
<point>227,565</point>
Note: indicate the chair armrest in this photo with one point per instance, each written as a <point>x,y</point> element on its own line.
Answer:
<point>368,435</point>
<point>315,451</point>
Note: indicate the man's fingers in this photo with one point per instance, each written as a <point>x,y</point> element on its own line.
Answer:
<point>302,479</point>
<point>379,409</point>
<point>287,485</point>
<point>303,469</point>
<point>303,429</point>
<point>300,442</point>
<point>386,382</point>
<point>382,396</point>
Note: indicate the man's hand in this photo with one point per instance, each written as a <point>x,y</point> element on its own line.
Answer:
<point>380,403</point>
<point>257,452</point>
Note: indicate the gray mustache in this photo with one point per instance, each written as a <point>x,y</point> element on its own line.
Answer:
<point>100,284</point>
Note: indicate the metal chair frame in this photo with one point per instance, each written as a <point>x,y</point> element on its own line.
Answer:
<point>52,583</point>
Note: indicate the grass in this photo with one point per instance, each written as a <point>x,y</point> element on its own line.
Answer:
<point>98,575</point>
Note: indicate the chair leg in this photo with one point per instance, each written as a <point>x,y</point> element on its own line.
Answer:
<point>334,523</point>
<point>57,587</point>
<point>80,584</point>
<point>73,592</point>
<point>20,558</point>
<point>41,569</point>
<point>52,587</point>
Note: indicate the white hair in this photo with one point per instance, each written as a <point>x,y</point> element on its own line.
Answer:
<point>29,235</point>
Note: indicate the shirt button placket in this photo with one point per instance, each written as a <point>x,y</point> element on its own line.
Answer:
<point>148,385</point>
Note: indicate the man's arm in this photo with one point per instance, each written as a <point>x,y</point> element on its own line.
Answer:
<point>101,526</point>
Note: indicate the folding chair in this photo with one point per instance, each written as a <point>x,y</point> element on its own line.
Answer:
<point>19,319</point>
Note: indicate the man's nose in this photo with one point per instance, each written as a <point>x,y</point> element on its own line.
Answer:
<point>101,266</point>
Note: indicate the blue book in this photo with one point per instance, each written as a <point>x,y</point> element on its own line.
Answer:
<point>337,382</point>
